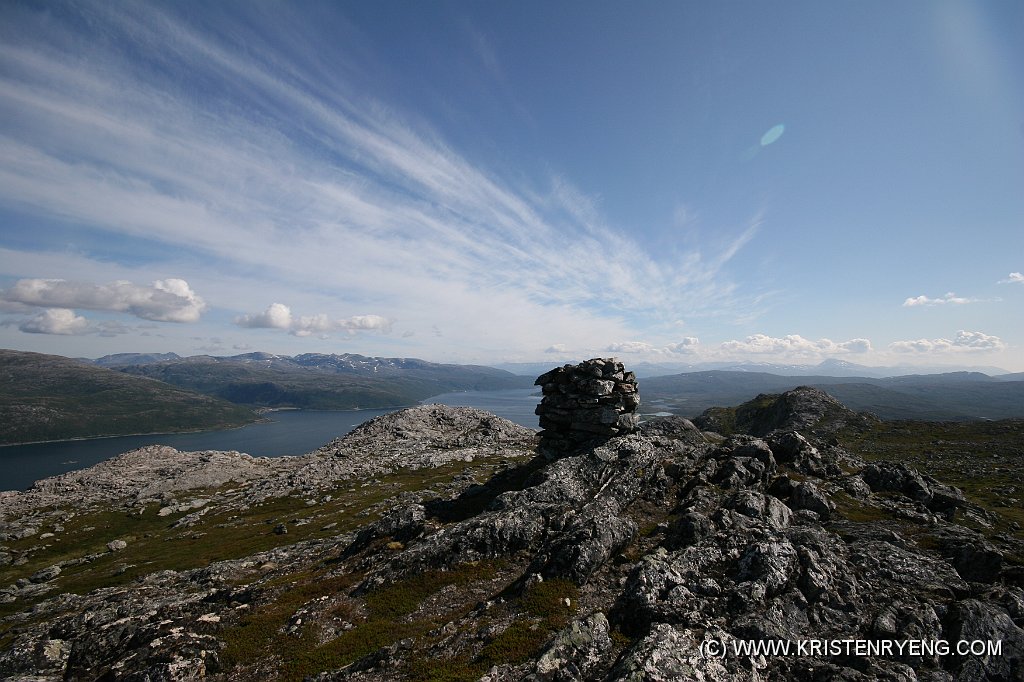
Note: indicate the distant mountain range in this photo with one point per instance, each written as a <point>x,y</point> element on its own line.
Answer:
<point>123,359</point>
<point>48,397</point>
<point>948,396</point>
<point>315,380</point>
<point>321,381</point>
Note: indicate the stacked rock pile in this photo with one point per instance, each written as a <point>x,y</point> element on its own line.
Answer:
<point>594,399</point>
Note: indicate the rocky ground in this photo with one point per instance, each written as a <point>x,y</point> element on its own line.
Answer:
<point>438,544</point>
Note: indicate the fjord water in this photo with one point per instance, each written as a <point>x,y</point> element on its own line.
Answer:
<point>288,432</point>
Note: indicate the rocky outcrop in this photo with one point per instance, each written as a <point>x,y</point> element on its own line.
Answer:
<point>808,410</point>
<point>576,653</point>
<point>429,427</point>
<point>900,478</point>
<point>652,555</point>
<point>571,519</point>
<point>585,402</point>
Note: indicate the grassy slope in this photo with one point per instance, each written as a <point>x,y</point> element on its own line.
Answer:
<point>49,397</point>
<point>981,457</point>
<point>258,637</point>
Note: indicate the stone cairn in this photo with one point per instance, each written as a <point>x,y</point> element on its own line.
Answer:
<point>596,399</point>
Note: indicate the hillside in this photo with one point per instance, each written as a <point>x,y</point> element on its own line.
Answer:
<point>949,396</point>
<point>321,381</point>
<point>804,409</point>
<point>444,543</point>
<point>49,397</point>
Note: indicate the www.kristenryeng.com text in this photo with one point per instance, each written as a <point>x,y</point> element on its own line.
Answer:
<point>721,648</point>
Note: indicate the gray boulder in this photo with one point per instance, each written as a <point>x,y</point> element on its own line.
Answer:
<point>577,652</point>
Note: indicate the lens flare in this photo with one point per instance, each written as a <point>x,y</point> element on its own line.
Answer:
<point>772,135</point>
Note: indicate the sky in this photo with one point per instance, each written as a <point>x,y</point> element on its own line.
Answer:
<point>484,182</point>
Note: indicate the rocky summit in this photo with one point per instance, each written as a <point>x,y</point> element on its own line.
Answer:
<point>436,543</point>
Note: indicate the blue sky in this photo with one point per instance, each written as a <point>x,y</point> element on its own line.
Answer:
<point>488,182</point>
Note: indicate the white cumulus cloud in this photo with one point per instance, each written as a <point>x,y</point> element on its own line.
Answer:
<point>279,316</point>
<point>977,341</point>
<point>167,300</point>
<point>1013,278</point>
<point>794,344</point>
<point>965,341</point>
<point>366,323</point>
<point>59,321</point>
<point>855,346</point>
<point>949,298</point>
<point>307,325</point>
<point>687,345</point>
<point>632,347</point>
<point>276,316</point>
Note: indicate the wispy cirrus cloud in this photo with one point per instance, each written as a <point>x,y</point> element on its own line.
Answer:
<point>293,180</point>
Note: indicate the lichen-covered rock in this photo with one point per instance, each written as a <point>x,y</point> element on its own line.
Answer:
<point>402,524</point>
<point>760,506</point>
<point>673,428</point>
<point>806,495</point>
<point>680,587</point>
<point>900,478</point>
<point>45,574</point>
<point>576,653</point>
<point>770,563</point>
<point>433,426</point>
<point>975,621</point>
<point>792,448</point>
<point>589,540</point>
<point>668,654</point>
<point>569,519</point>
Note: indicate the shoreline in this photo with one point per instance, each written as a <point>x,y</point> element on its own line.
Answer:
<point>80,439</point>
<point>258,411</point>
<point>294,433</point>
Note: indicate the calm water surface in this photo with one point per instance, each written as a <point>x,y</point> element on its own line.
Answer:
<point>289,432</point>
